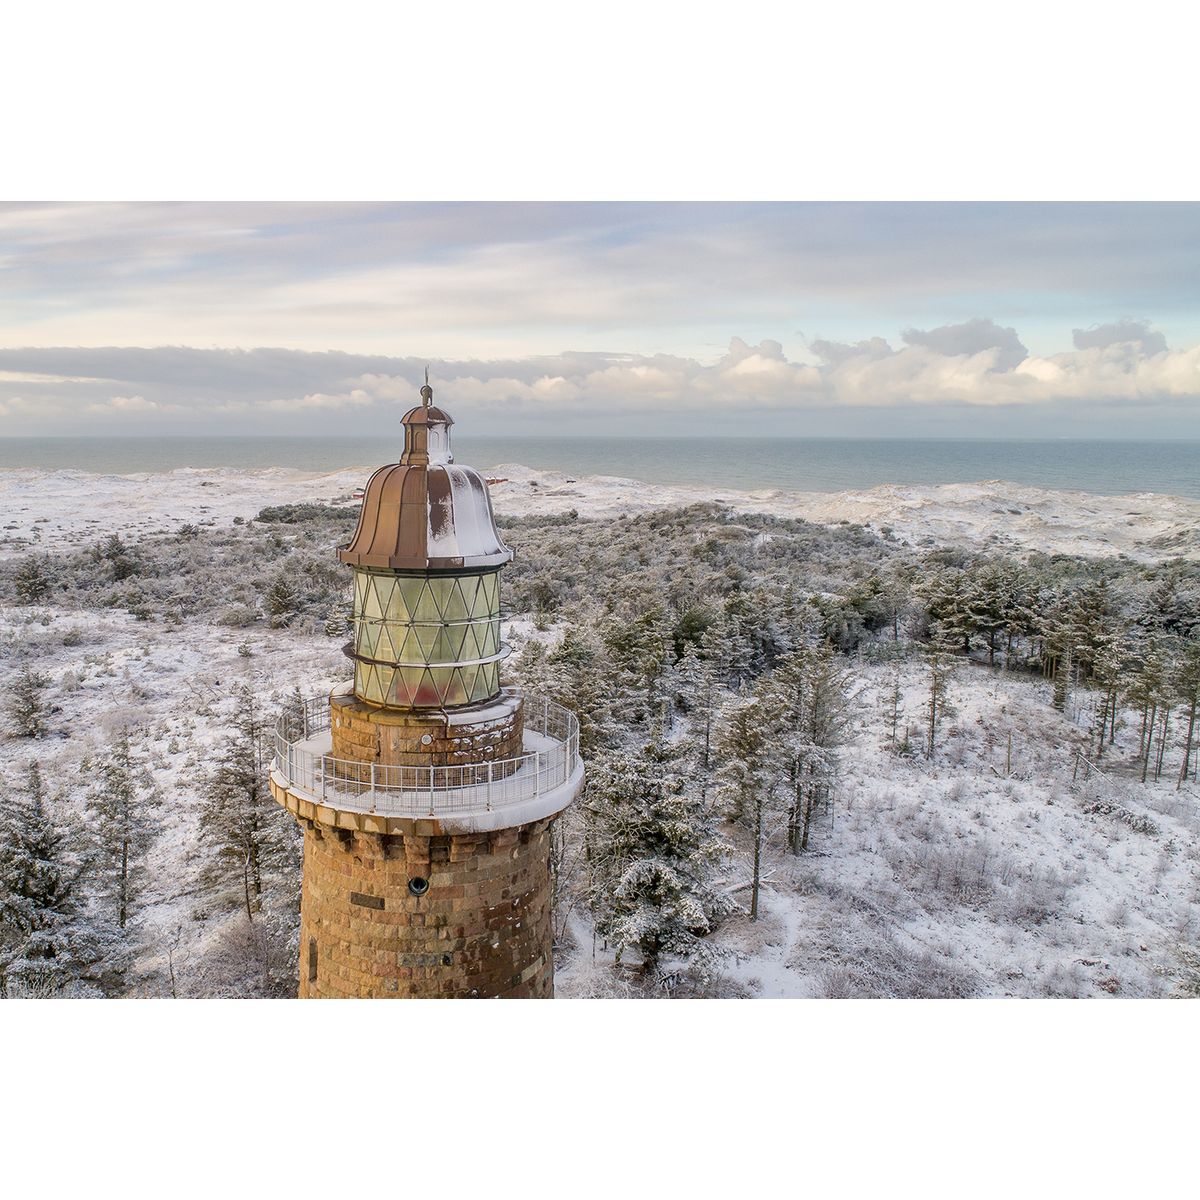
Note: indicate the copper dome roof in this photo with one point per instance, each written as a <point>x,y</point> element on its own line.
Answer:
<point>426,512</point>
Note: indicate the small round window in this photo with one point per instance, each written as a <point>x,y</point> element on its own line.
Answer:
<point>418,886</point>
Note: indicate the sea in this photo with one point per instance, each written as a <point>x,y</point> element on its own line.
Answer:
<point>745,464</point>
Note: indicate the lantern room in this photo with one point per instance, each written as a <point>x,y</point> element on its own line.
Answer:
<point>426,556</point>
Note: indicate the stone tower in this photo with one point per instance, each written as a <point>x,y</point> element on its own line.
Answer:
<point>425,789</point>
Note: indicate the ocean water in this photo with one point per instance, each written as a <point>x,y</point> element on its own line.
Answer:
<point>748,464</point>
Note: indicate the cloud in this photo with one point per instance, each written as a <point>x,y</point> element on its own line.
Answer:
<point>838,352</point>
<point>1125,331</point>
<point>510,279</point>
<point>131,404</point>
<point>975,364</point>
<point>971,338</point>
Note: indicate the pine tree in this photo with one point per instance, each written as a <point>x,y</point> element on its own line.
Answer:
<point>38,954</point>
<point>239,820</point>
<point>640,649</point>
<point>120,810</point>
<point>1148,691</point>
<point>1062,676</point>
<point>118,555</point>
<point>947,598</point>
<point>32,583</point>
<point>652,847</point>
<point>1108,671</point>
<point>941,664</point>
<point>579,674</point>
<point>337,624</point>
<point>997,604</point>
<point>747,777</point>
<point>281,601</point>
<point>893,708</point>
<point>1187,684</point>
<point>293,713</point>
<point>697,689</point>
<point>26,706</point>
<point>807,703</point>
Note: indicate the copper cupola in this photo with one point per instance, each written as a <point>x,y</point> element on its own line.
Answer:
<point>426,512</point>
<point>426,556</point>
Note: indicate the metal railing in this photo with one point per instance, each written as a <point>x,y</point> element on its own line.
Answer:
<point>427,791</point>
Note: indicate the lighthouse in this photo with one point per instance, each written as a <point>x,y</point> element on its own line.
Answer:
<point>425,788</point>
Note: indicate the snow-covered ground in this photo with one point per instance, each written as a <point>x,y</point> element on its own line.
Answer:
<point>969,875</point>
<point>52,510</point>
<point>173,686</point>
<point>990,872</point>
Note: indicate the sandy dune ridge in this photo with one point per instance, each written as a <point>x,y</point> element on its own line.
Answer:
<point>57,510</point>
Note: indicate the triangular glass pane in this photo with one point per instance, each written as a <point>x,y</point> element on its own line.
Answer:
<point>369,598</point>
<point>454,691</point>
<point>439,590</point>
<point>455,607</point>
<point>488,638</point>
<point>454,642</point>
<point>399,640</point>
<point>426,607</point>
<point>426,638</point>
<point>427,694</point>
<point>408,592</point>
<point>489,681</point>
<point>365,634</point>
<point>489,594</point>
<point>472,593</point>
<point>470,648</point>
<point>385,588</point>
<point>384,647</point>
<point>466,682</point>
<point>400,691</point>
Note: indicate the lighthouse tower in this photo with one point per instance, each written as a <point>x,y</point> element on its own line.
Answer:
<point>425,789</point>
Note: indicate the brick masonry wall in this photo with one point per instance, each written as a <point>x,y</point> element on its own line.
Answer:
<point>482,929</point>
<point>394,737</point>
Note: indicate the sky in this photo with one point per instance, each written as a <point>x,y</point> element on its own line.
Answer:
<point>576,319</point>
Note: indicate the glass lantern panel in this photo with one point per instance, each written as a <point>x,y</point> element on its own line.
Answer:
<point>455,606</point>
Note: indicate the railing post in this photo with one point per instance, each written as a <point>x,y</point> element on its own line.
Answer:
<point>537,774</point>
<point>324,774</point>
<point>431,770</point>
<point>489,787</point>
<point>372,787</point>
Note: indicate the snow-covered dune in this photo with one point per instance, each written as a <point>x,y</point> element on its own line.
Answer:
<point>54,510</point>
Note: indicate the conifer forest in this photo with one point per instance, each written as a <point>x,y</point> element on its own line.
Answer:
<point>822,761</point>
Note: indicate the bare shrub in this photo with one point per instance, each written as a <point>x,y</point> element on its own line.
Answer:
<point>583,979</point>
<point>247,959</point>
<point>965,875</point>
<point>957,790</point>
<point>1036,898</point>
<point>890,971</point>
<point>1063,983</point>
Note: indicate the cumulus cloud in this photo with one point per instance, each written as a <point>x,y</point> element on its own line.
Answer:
<point>974,364</point>
<point>838,352</point>
<point>1124,332</point>
<point>976,337</point>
